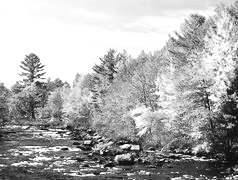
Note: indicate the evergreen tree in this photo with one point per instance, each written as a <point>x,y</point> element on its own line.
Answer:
<point>32,68</point>
<point>107,68</point>
<point>191,102</point>
<point>103,76</point>
<point>32,94</point>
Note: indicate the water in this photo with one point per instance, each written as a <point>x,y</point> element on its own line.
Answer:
<point>31,153</point>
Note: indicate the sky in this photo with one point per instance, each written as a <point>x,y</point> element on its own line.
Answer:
<point>69,36</point>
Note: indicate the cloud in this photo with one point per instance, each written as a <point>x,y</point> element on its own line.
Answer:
<point>70,35</point>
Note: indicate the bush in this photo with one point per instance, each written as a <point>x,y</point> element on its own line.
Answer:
<point>151,127</point>
<point>180,144</point>
<point>202,149</point>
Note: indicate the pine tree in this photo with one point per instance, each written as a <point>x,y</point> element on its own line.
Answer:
<point>188,77</point>
<point>103,76</point>
<point>32,93</point>
<point>32,68</point>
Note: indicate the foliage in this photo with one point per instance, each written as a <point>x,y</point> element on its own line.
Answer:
<point>55,104</point>
<point>103,76</point>
<point>32,68</point>
<point>143,81</point>
<point>53,85</point>
<point>151,127</point>
<point>4,108</point>
<point>31,94</point>
<point>113,120</point>
<point>221,67</point>
<point>23,104</point>
<point>76,102</point>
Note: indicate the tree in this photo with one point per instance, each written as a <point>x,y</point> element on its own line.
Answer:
<point>32,94</point>
<point>4,109</point>
<point>107,68</point>
<point>143,80</point>
<point>24,104</point>
<point>103,76</point>
<point>57,83</point>
<point>220,62</point>
<point>76,102</point>
<point>32,68</point>
<point>184,54</point>
<point>55,103</point>
<point>17,88</point>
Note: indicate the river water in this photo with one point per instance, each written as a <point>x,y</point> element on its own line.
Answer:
<point>28,153</point>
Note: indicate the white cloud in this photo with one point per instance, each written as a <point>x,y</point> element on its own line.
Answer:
<point>79,12</point>
<point>70,38</point>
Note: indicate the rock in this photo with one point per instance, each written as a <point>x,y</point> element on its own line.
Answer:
<point>201,177</point>
<point>235,177</point>
<point>100,161</point>
<point>84,148</point>
<point>85,165</point>
<point>96,173</point>
<point>64,149</point>
<point>76,143</point>
<point>151,148</point>
<point>100,140</point>
<point>113,151</point>
<point>144,173</point>
<point>109,164</point>
<point>80,159</point>
<point>130,174</point>
<point>151,166</point>
<point>91,154</point>
<point>75,138</point>
<point>125,147</point>
<point>87,137</point>
<point>177,178</point>
<point>169,166</point>
<point>88,143</point>
<point>124,159</point>
<point>188,177</point>
<point>97,137</point>
<point>123,141</point>
<point>90,131</point>
<point>135,148</point>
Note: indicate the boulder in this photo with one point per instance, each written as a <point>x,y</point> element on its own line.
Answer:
<point>80,159</point>
<point>97,137</point>
<point>88,143</point>
<point>84,148</point>
<point>124,159</point>
<point>87,137</point>
<point>90,131</point>
<point>125,147</point>
<point>144,173</point>
<point>151,148</point>
<point>76,143</point>
<point>135,148</point>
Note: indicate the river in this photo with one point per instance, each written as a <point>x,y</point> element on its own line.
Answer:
<point>28,153</point>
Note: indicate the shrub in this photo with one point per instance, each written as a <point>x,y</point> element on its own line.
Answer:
<point>201,149</point>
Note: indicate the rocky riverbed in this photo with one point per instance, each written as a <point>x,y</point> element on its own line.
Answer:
<point>29,152</point>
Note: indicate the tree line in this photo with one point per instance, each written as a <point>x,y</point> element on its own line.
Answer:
<point>182,97</point>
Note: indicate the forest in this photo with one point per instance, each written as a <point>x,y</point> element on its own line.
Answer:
<point>181,98</point>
